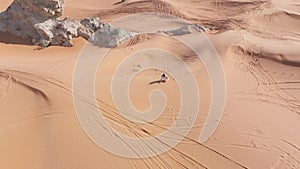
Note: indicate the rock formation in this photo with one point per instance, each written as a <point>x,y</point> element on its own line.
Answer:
<point>38,21</point>
<point>186,29</point>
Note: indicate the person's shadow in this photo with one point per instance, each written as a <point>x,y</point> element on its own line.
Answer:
<point>157,81</point>
<point>117,3</point>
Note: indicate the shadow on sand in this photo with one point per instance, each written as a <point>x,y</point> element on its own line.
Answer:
<point>117,3</point>
<point>157,82</point>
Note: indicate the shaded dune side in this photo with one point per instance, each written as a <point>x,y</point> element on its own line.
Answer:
<point>141,6</point>
<point>31,82</point>
<point>279,25</point>
<point>220,16</point>
<point>6,83</point>
<point>9,81</point>
<point>266,30</point>
<point>277,57</point>
<point>29,77</point>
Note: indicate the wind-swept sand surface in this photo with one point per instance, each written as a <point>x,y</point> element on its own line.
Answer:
<point>259,45</point>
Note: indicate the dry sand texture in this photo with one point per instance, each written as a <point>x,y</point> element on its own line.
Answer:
<point>259,45</point>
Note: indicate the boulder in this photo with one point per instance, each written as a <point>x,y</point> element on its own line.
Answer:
<point>38,21</point>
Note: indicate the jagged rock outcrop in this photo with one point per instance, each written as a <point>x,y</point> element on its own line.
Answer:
<point>110,36</point>
<point>38,21</point>
<point>21,16</point>
<point>186,29</point>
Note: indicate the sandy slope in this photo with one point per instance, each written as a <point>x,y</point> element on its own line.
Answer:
<point>259,44</point>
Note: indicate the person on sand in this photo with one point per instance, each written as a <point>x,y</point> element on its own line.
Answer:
<point>163,78</point>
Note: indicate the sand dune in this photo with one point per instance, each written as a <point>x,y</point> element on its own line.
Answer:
<point>259,45</point>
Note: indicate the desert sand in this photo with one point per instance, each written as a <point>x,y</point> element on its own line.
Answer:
<point>258,43</point>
